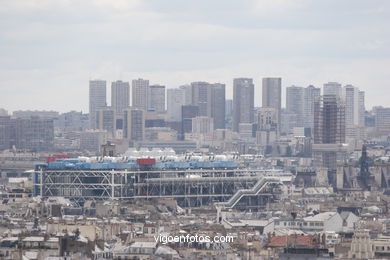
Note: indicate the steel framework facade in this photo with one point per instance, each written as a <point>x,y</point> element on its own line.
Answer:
<point>191,188</point>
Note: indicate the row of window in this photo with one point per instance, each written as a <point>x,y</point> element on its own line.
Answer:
<point>382,248</point>
<point>292,223</point>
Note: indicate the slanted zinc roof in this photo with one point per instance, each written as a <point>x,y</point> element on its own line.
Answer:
<point>143,245</point>
<point>321,217</point>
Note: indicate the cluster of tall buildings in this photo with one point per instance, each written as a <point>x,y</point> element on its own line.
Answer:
<point>300,103</point>
<point>120,119</point>
<point>334,117</point>
<point>200,112</point>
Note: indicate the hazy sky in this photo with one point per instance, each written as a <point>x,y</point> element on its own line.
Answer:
<point>49,49</point>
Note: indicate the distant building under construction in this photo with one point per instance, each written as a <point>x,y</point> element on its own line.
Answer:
<point>329,131</point>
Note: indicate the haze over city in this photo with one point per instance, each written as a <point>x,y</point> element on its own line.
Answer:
<point>51,49</point>
<point>241,130</point>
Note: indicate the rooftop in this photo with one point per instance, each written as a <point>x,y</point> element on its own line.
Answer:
<point>320,217</point>
<point>296,240</point>
<point>33,239</point>
<point>143,245</point>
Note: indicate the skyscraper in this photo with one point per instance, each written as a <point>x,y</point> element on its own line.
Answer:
<point>120,97</point>
<point>267,126</point>
<point>106,120</point>
<point>295,103</point>
<point>351,95</point>
<point>218,104</point>
<point>134,124</point>
<point>210,99</point>
<point>311,94</point>
<point>97,99</point>
<point>354,111</point>
<point>329,131</point>
<point>201,97</point>
<point>156,98</point>
<point>329,120</point>
<point>187,113</point>
<point>362,108</point>
<point>187,94</point>
<point>139,94</point>
<point>175,99</point>
<point>333,88</point>
<point>243,102</point>
<point>272,95</point>
<point>229,108</point>
<point>382,120</point>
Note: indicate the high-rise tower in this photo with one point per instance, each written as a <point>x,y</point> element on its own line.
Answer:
<point>354,112</point>
<point>175,99</point>
<point>139,94</point>
<point>97,99</point>
<point>295,103</point>
<point>311,94</point>
<point>243,102</point>
<point>120,97</point>
<point>272,95</point>
<point>156,98</point>
<point>210,99</point>
<point>329,131</point>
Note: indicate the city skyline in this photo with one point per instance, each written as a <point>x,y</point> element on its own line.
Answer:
<point>224,129</point>
<point>51,49</point>
<point>258,94</point>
